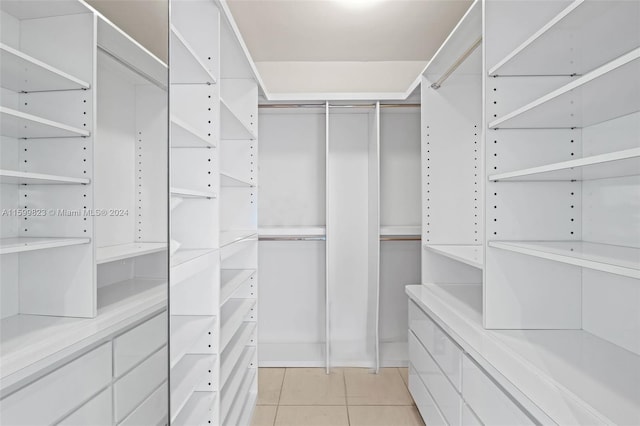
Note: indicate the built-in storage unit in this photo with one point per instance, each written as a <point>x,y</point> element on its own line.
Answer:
<point>549,332</point>
<point>83,246</point>
<point>213,294</point>
<point>339,225</point>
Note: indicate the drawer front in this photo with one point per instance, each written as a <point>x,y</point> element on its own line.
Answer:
<point>153,411</point>
<point>492,405</point>
<point>447,354</point>
<point>96,412</point>
<point>132,389</point>
<point>468,418</point>
<point>442,391</point>
<point>428,409</point>
<point>137,344</point>
<point>56,394</point>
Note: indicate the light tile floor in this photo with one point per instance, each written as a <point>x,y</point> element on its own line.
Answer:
<point>346,397</point>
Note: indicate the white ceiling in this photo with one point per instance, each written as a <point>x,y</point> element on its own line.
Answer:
<point>331,30</point>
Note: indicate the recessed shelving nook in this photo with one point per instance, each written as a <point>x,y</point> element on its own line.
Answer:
<point>213,310</point>
<point>83,247</point>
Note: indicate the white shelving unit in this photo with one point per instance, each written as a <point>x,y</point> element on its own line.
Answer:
<point>213,212</point>
<point>83,261</point>
<point>469,255</point>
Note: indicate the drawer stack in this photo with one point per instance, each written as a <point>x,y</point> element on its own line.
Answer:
<point>448,386</point>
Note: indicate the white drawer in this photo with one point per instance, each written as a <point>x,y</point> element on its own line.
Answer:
<point>153,411</point>
<point>492,405</point>
<point>468,417</point>
<point>132,389</point>
<point>135,345</point>
<point>442,391</point>
<point>447,354</point>
<point>428,409</point>
<point>48,399</point>
<point>96,412</point>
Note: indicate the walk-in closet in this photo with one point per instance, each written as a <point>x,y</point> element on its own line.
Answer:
<point>327,213</point>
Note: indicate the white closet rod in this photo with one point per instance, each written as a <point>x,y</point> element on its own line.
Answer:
<point>293,238</point>
<point>456,64</point>
<point>400,238</point>
<point>283,106</point>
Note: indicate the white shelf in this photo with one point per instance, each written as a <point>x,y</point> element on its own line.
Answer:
<point>17,124</point>
<point>250,401</point>
<point>126,251</point>
<point>235,236</point>
<point>229,180</point>
<point>232,127</point>
<point>184,135</point>
<point>232,353</point>
<point>20,72</point>
<point>31,341</point>
<point>546,52</point>
<point>468,254</point>
<point>185,332</point>
<point>242,397</point>
<point>566,374</point>
<point>602,166</point>
<point>186,376</point>
<point>197,410</point>
<point>401,231</point>
<point>22,244</point>
<point>191,70</point>
<point>460,40</point>
<point>292,355</point>
<point>26,178</point>
<point>231,280</point>
<point>192,193</point>
<point>614,85</point>
<point>232,315</point>
<point>187,255</point>
<point>230,391</point>
<point>617,260</point>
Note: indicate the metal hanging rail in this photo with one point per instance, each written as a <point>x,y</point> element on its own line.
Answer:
<point>400,238</point>
<point>293,238</point>
<point>456,64</point>
<point>285,106</point>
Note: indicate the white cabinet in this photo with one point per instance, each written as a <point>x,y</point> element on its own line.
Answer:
<point>214,157</point>
<point>98,411</point>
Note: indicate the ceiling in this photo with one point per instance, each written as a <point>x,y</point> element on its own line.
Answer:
<point>389,40</point>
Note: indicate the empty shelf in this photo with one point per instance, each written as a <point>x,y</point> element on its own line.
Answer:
<point>242,397</point>
<point>197,410</point>
<point>292,231</point>
<point>231,280</point>
<point>468,254</point>
<point>232,127</point>
<point>183,135</point>
<point>17,124</point>
<point>186,376</point>
<point>126,251</point>
<point>232,315</point>
<point>230,237</point>
<point>615,85</point>
<point>231,354</point>
<point>186,330</point>
<point>602,166</point>
<point>27,178</point>
<point>233,387</point>
<point>228,180</point>
<point>617,260</point>
<point>22,244</point>
<point>191,69</point>
<point>613,24</point>
<point>22,73</point>
<point>187,255</point>
<point>192,193</point>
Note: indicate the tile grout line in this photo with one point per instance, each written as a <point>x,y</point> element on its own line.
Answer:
<point>346,398</point>
<point>279,396</point>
